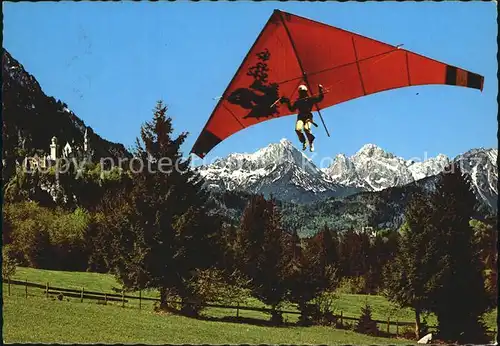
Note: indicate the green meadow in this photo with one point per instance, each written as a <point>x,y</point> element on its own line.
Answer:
<point>50,320</point>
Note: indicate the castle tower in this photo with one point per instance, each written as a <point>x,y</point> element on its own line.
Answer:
<point>53,149</point>
<point>85,142</point>
<point>67,150</point>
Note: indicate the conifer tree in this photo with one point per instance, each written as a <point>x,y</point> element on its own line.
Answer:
<point>366,324</point>
<point>262,252</point>
<point>312,274</point>
<point>460,299</point>
<point>408,279</point>
<point>329,245</point>
<point>161,230</point>
<point>354,263</point>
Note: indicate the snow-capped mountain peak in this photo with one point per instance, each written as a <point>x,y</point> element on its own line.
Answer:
<point>279,169</point>
<point>343,172</point>
<point>287,173</point>
<point>274,154</point>
<point>431,166</point>
<point>373,169</point>
<point>378,169</point>
<point>372,150</point>
<point>481,165</point>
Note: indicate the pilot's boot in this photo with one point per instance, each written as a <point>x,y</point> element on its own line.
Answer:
<point>310,139</point>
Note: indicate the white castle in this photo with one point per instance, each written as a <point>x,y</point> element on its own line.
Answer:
<point>68,152</point>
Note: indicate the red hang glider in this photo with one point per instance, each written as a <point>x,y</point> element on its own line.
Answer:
<point>291,50</point>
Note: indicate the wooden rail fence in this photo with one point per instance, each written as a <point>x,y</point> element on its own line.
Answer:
<point>123,298</point>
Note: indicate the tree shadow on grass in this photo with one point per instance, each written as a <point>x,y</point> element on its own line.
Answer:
<point>226,319</point>
<point>246,320</point>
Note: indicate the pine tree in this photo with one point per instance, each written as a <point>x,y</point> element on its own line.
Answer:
<point>312,275</point>
<point>460,298</point>
<point>354,262</point>
<point>375,264</point>
<point>161,230</point>
<point>408,278</point>
<point>366,324</point>
<point>329,245</point>
<point>262,252</point>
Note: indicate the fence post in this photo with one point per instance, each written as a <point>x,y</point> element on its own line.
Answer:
<point>140,294</point>
<point>47,290</point>
<point>83,290</point>
<point>341,318</point>
<point>388,324</point>
<point>397,328</point>
<point>106,298</point>
<point>123,298</point>
<point>26,288</point>
<point>8,280</point>
<point>238,310</point>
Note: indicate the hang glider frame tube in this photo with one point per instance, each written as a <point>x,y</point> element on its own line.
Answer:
<point>301,67</point>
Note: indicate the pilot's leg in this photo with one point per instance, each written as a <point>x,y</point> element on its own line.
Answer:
<point>310,136</point>
<point>299,126</point>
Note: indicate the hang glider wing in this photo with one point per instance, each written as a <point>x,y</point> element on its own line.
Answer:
<point>291,50</point>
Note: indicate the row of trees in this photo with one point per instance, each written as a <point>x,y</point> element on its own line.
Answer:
<point>154,230</point>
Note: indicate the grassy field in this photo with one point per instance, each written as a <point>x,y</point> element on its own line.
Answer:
<point>38,319</point>
<point>43,320</point>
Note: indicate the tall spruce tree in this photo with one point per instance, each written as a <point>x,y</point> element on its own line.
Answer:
<point>262,252</point>
<point>161,230</point>
<point>330,245</point>
<point>353,259</point>
<point>376,263</point>
<point>385,247</point>
<point>408,279</point>
<point>460,299</point>
<point>314,272</point>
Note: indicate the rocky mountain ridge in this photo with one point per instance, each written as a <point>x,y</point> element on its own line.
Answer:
<point>283,171</point>
<point>278,169</point>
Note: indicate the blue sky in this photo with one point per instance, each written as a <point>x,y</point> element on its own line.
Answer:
<point>110,62</point>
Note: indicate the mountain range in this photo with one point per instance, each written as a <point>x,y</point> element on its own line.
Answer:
<point>367,190</point>
<point>283,171</point>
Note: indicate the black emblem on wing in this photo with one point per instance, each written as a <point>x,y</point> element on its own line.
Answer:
<point>261,96</point>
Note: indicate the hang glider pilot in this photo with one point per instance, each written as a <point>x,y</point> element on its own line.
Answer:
<point>304,105</point>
